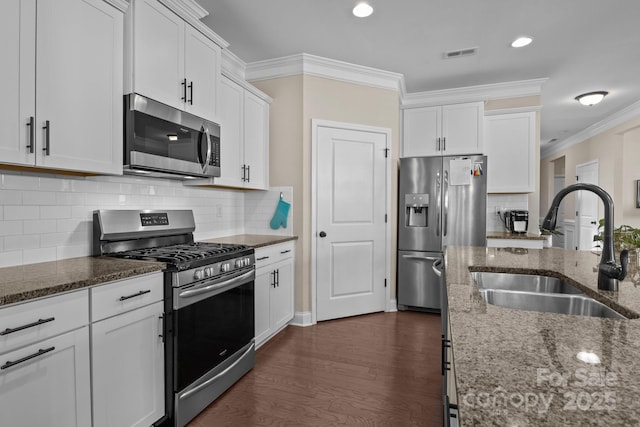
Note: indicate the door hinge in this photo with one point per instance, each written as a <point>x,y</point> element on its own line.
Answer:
<point>386,152</point>
<point>385,283</point>
<point>577,178</point>
<point>385,217</point>
<point>576,213</point>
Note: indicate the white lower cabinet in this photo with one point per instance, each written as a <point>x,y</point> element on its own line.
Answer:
<point>128,352</point>
<point>274,289</point>
<point>47,383</point>
<point>128,368</point>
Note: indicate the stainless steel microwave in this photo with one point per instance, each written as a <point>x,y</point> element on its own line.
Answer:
<point>162,141</point>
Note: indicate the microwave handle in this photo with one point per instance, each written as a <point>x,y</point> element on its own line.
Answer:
<point>209,149</point>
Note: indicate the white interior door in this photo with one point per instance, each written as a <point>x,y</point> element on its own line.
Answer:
<point>350,226</point>
<point>587,206</point>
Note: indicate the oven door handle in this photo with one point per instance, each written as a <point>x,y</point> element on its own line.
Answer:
<point>221,374</point>
<point>217,285</point>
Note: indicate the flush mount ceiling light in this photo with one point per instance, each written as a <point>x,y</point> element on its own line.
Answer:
<point>362,10</point>
<point>172,137</point>
<point>521,41</point>
<point>591,98</point>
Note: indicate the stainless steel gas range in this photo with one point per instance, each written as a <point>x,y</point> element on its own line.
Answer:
<point>209,302</point>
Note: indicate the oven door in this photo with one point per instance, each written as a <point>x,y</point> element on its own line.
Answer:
<point>163,139</point>
<point>213,323</point>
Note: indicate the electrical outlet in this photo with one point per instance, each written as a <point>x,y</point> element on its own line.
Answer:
<point>498,210</point>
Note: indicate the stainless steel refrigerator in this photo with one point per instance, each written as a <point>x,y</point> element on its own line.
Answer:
<point>442,201</point>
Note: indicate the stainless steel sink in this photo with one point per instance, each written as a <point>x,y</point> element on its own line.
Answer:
<point>549,303</point>
<point>538,293</point>
<point>523,282</point>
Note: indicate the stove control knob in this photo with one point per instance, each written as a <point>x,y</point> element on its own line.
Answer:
<point>247,261</point>
<point>225,267</point>
<point>198,274</point>
<point>239,263</point>
<point>208,272</point>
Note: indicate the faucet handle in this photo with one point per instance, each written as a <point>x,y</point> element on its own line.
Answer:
<point>624,261</point>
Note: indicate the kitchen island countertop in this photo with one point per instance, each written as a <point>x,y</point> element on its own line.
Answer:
<point>516,236</point>
<point>25,282</point>
<point>253,240</point>
<point>517,367</point>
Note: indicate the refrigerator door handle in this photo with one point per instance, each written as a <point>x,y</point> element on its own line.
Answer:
<point>420,258</point>
<point>446,201</point>
<point>438,199</point>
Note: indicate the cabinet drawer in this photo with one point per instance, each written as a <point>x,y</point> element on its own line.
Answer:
<point>119,297</point>
<point>274,253</point>
<point>27,323</point>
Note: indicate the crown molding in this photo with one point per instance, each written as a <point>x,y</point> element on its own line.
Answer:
<point>304,63</point>
<point>616,119</point>
<point>121,5</point>
<point>531,109</point>
<point>232,65</point>
<point>474,93</point>
<point>192,13</point>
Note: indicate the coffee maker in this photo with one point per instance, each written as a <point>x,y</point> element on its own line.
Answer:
<point>516,221</point>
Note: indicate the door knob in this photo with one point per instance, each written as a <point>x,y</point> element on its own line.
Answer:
<point>323,234</point>
<point>593,222</point>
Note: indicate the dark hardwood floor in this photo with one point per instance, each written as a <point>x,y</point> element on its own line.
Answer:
<point>378,369</point>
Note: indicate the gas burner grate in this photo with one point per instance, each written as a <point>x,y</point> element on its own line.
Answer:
<point>181,253</point>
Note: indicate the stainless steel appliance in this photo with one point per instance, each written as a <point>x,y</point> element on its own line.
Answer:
<point>516,221</point>
<point>209,325</point>
<point>441,202</point>
<point>163,141</point>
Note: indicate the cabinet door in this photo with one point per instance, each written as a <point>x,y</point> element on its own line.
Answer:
<point>263,284</point>
<point>231,134</point>
<point>282,295</point>
<point>128,368</point>
<point>256,141</point>
<point>510,146</point>
<point>79,85</point>
<point>421,130</point>
<point>462,128</point>
<point>17,79</point>
<point>202,70</point>
<point>51,389</point>
<point>158,53</point>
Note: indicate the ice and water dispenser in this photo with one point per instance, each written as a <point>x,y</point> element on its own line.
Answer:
<point>416,210</point>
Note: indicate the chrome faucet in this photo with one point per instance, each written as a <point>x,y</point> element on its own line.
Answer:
<point>609,273</point>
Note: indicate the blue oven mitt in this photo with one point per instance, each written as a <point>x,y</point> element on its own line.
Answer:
<point>280,216</point>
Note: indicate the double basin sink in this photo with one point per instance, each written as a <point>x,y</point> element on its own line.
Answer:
<point>538,293</point>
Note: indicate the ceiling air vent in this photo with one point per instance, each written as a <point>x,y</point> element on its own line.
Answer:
<point>460,53</point>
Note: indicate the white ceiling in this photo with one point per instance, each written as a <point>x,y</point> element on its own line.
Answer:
<point>580,45</point>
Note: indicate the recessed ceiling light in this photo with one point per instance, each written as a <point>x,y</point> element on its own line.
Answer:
<point>362,10</point>
<point>521,41</point>
<point>591,98</point>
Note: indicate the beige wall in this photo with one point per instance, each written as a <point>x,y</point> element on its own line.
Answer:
<point>617,152</point>
<point>298,100</point>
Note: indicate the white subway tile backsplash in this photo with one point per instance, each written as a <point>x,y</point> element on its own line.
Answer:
<point>39,226</point>
<point>14,243</point>
<point>10,258</point>
<point>55,212</point>
<point>38,198</point>
<point>39,255</point>
<point>10,228</point>
<point>10,197</point>
<point>12,213</point>
<point>18,181</point>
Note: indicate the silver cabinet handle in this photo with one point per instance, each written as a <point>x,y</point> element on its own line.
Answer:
<point>184,90</point>
<point>285,252</point>
<point>47,134</point>
<point>244,173</point>
<point>190,93</point>
<point>261,258</point>
<point>32,129</point>
<point>438,144</point>
<point>248,173</point>
<point>444,143</point>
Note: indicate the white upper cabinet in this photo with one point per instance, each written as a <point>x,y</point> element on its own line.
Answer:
<point>510,142</point>
<point>172,62</point>
<point>443,130</point>
<point>244,139</point>
<point>62,77</point>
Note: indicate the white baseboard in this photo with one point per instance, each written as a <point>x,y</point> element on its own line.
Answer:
<point>392,305</point>
<point>301,318</point>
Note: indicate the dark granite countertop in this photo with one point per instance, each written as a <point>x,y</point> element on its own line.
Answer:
<point>519,368</point>
<point>507,235</point>
<point>253,240</point>
<point>25,282</point>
